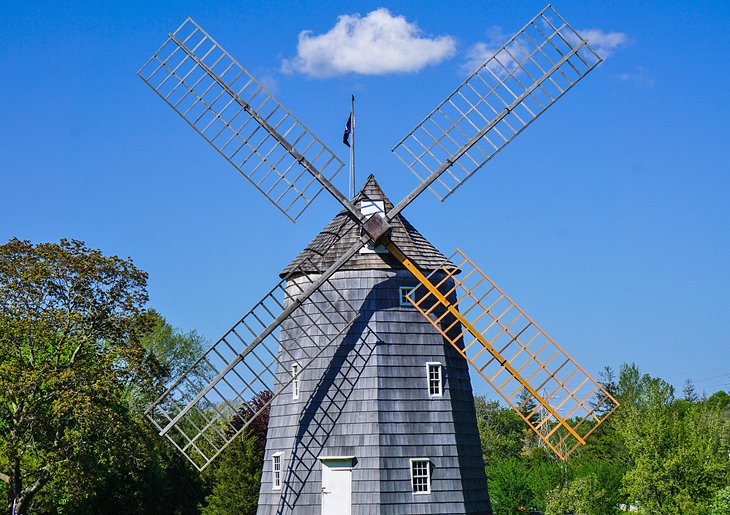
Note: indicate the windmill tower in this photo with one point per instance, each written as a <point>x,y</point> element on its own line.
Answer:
<point>331,345</point>
<point>387,404</point>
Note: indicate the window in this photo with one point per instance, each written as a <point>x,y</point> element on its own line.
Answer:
<point>369,208</point>
<point>404,291</point>
<point>372,207</point>
<point>276,469</point>
<point>435,380</point>
<point>295,382</point>
<point>421,475</point>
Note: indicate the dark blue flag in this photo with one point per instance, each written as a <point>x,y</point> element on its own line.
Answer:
<point>348,131</point>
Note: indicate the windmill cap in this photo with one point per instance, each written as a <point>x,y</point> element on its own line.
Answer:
<point>342,233</point>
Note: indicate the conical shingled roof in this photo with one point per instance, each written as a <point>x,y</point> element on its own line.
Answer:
<point>342,232</point>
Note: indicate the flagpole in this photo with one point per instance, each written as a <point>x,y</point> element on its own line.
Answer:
<point>352,148</point>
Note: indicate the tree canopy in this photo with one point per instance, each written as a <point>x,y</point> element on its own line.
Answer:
<point>70,324</point>
<point>77,350</point>
<point>656,453</point>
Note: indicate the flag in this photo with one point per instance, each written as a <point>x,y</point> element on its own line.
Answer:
<point>348,131</point>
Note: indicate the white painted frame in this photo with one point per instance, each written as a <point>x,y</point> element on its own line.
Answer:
<point>440,369</point>
<point>295,384</point>
<point>428,475</point>
<point>369,208</point>
<point>337,470</point>
<point>277,474</point>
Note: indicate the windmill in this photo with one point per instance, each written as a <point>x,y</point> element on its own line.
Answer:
<point>314,342</point>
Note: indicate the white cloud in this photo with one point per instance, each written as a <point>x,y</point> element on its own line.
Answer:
<point>268,78</point>
<point>604,43</point>
<point>376,44</point>
<point>640,76</point>
<point>479,52</point>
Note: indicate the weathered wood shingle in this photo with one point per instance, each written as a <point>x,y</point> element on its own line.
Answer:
<point>342,232</point>
<point>366,396</point>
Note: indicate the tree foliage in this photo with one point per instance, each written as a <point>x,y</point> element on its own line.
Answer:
<point>584,495</point>
<point>500,430</point>
<point>175,350</point>
<point>78,351</point>
<point>721,502</point>
<point>677,450</point>
<point>509,489</point>
<point>235,478</point>
<point>688,391</point>
<point>661,454</point>
<point>70,324</point>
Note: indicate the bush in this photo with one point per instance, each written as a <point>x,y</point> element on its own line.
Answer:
<point>721,504</point>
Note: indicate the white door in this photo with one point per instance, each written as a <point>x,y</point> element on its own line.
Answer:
<point>336,487</point>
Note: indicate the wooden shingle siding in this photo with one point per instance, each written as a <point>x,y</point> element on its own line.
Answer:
<point>342,232</point>
<point>367,396</point>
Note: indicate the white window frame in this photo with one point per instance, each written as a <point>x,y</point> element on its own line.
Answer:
<point>369,208</point>
<point>372,207</point>
<point>428,476</point>
<point>402,292</point>
<point>277,475</point>
<point>295,385</point>
<point>438,366</point>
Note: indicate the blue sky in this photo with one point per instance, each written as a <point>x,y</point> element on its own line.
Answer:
<point>607,220</point>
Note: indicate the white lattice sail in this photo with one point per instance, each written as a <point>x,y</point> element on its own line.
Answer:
<point>499,100</point>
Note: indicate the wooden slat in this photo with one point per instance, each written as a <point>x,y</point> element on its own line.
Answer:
<point>438,299</point>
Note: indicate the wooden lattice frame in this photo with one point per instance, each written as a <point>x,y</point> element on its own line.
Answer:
<point>554,395</point>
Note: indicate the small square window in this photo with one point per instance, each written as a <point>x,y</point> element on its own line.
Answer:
<point>276,470</point>
<point>295,381</point>
<point>434,377</point>
<point>372,208</point>
<point>403,294</point>
<point>421,476</point>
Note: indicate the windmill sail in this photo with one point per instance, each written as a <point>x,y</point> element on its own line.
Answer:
<point>235,381</point>
<point>202,412</point>
<point>532,373</point>
<point>499,100</point>
<point>235,113</point>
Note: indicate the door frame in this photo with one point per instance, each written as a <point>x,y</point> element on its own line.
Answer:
<point>342,463</point>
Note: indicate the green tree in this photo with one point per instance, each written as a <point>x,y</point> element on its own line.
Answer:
<point>607,379</point>
<point>71,321</point>
<point>609,475</point>
<point>721,503</point>
<point>235,477</point>
<point>175,350</point>
<point>543,477</point>
<point>509,488</point>
<point>163,482</point>
<point>500,430</point>
<point>719,401</point>
<point>528,406</point>
<point>677,450</point>
<point>583,495</point>
<point>689,392</point>
<point>172,350</point>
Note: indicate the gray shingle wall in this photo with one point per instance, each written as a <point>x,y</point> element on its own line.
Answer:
<point>366,396</point>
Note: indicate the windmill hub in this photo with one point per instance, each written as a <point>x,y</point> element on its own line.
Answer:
<point>377,227</point>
